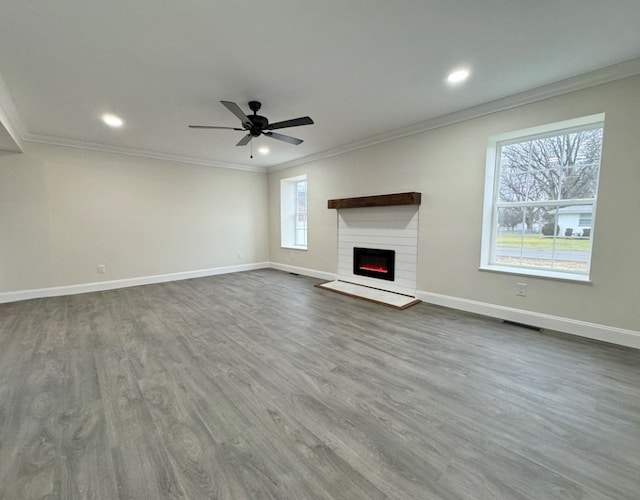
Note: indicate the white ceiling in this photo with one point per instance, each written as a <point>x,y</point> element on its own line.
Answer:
<point>359,68</point>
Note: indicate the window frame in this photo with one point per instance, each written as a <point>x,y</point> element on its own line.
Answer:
<point>290,213</point>
<point>492,203</point>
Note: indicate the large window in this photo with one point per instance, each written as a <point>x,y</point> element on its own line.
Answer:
<point>540,199</point>
<point>293,212</point>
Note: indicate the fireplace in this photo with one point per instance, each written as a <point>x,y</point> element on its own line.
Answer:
<point>374,263</point>
<point>388,221</point>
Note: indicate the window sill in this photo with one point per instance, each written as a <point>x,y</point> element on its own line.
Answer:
<point>538,273</point>
<point>286,247</point>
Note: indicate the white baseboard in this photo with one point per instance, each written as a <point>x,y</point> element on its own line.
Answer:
<point>595,331</point>
<point>304,271</point>
<point>124,283</point>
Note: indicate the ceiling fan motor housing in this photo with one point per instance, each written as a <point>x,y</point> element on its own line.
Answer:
<point>259,124</point>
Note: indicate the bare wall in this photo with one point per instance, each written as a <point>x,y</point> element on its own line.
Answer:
<point>448,165</point>
<point>63,211</point>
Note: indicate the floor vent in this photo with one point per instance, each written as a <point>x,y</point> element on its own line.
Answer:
<point>522,325</point>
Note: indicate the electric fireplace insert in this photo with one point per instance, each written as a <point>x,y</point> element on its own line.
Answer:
<point>374,263</point>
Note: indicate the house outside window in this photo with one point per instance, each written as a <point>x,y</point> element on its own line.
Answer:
<point>293,212</point>
<point>540,199</point>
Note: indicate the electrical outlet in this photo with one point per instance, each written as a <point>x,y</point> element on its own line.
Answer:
<point>102,269</point>
<point>521,289</point>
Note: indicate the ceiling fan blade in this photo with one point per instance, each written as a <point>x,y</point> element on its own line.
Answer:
<point>211,126</point>
<point>296,122</point>
<point>285,138</point>
<point>235,109</point>
<point>245,140</point>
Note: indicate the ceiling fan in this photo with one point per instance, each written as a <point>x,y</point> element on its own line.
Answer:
<point>255,124</point>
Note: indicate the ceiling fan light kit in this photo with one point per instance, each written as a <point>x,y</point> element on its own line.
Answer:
<point>256,125</point>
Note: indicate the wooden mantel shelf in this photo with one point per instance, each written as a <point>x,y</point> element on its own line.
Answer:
<point>381,200</point>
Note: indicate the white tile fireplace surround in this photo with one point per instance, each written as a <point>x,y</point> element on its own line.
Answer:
<point>386,228</point>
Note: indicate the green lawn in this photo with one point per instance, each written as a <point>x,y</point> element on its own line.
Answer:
<point>539,241</point>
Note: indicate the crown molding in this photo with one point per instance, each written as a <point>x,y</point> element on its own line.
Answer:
<point>140,153</point>
<point>572,84</point>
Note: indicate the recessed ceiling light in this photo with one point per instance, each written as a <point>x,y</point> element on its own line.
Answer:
<point>112,120</point>
<point>458,76</point>
<point>263,150</point>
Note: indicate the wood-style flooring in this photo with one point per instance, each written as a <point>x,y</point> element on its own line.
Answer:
<point>260,385</point>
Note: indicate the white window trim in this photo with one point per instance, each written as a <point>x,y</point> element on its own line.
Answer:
<point>287,195</point>
<point>491,188</point>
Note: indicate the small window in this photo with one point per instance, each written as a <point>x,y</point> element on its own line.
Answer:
<point>540,192</point>
<point>293,212</point>
<point>584,220</point>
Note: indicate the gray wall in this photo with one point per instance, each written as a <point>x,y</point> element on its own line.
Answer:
<point>63,211</point>
<point>448,166</point>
